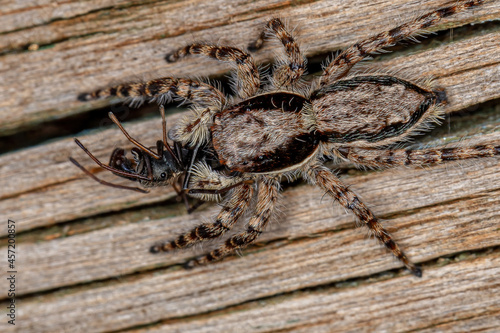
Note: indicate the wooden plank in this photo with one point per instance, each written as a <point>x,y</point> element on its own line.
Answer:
<point>326,310</point>
<point>115,44</point>
<point>25,16</point>
<point>464,290</point>
<point>312,267</point>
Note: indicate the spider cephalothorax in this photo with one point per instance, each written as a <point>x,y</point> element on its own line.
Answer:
<point>278,130</point>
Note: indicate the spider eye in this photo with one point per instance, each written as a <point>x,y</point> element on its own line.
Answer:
<point>163,175</point>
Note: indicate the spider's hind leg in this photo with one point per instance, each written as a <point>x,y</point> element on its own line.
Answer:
<point>386,158</point>
<point>324,178</point>
<point>341,65</point>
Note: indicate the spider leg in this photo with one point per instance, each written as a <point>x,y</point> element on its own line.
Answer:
<point>232,210</point>
<point>324,178</point>
<point>208,185</point>
<point>341,65</point>
<point>383,158</point>
<point>206,180</point>
<point>218,191</point>
<point>190,131</point>
<point>287,70</point>
<point>166,88</point>
<point>248,79</point>
<point>266,202</point>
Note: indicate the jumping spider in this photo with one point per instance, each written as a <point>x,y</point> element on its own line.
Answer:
<point>286,130</point>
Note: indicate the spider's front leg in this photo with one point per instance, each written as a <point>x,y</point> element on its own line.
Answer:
<point>319,175</point>
<point>239,200</point>
<point>247,82</point>
<point>266,202</point>
<point>198,93</point>
<point>192,130</point>
<point>287,70</point>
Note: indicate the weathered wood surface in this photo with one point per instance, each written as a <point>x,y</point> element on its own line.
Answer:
<point>312,271</point>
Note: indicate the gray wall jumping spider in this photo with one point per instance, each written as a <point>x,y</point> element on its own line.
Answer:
<point>286,130</point>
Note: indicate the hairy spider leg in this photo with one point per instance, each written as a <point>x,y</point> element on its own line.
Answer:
<point>232,210</point>
<point>324,178</point>
<point>341,65</point>
<point>385,158</point>
<point>247,81</point>
<point>266,202</point>
<point>218,191</point>
<point>163,89</point>
<point>287,70</point>
<point>205,98</point>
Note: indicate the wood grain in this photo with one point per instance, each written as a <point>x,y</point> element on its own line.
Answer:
<point>82,248</point>
<point>327,310</point>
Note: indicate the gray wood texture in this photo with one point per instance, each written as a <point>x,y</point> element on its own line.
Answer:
<point>83,257</point>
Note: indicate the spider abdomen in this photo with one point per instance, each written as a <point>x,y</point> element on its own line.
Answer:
<point>371,110</point>
<point>266,133</point>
